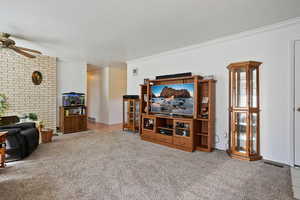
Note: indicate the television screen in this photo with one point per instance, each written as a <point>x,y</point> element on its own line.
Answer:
<point>173,99</point>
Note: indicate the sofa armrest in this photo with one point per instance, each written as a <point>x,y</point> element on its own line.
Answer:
<point>12,131</point>
<point>22,126</point>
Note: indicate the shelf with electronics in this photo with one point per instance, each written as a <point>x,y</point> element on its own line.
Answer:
<point>167,117</point>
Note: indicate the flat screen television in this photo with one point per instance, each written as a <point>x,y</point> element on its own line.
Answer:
<point>174,99</point>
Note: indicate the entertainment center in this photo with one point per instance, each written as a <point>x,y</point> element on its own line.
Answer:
<point>179,112</point>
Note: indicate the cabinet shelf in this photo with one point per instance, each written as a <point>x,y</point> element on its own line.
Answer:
<point>170,129</point>
<point>202,119</point>
<point>75,116</point>
<point>202,134</point>
<point>182,128</point>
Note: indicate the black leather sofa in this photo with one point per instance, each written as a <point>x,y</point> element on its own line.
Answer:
<point>22,139</point>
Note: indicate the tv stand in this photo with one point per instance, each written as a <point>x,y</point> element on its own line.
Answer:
<point>187,133</point>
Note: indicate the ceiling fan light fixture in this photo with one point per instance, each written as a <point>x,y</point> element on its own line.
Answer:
<point>10,44</point>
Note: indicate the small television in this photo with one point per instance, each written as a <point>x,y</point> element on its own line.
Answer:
<point>73,99</point>
<point>173,99</point>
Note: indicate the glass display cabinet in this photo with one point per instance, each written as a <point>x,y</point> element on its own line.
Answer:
<point>244,110</point>
<point>131,112</point>
<point>182,128</point>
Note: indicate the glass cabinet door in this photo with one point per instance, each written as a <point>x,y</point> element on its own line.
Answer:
<point>125,103</point>
<point>137,116</point>
<point>253,88</point>
<point>240,132</point>
<point>239,87</point>
<point>182,128</point>
<point>253,133</point>
<point>130,112</point>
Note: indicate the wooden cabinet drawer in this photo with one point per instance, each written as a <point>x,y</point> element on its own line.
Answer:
<point>181,141</point>
<point>149,135</point>
<point>164,138</point>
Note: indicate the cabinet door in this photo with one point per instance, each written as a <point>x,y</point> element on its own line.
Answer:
<point>68,124</point>
<point>254,133</point>
<point>75,124</point>
<point>240,130</point>
<point>82,123</point>
<point>239,88</point>
<point>254,86</point>
<point>137,114</point>
<point>125,113</point>
<point>183,128</point>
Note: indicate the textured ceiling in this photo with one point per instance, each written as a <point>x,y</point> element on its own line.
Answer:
<point>100,32</point>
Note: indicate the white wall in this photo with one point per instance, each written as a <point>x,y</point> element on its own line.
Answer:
<point>104,95</point>
<point>71,77</point>
<point>118,88</point>
<point>270,45</point>
<point>93,94</point>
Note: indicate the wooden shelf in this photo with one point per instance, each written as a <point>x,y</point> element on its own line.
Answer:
<point>202,134</point>
<point>182,128</point>
<point>75,116</point>
<point>148,129</point>
<point>170,129</point>
<point>203,119</point>
<point>203,148</point>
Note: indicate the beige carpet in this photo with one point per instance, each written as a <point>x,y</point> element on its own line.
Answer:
<point>115,166</point>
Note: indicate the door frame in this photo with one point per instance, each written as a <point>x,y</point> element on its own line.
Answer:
<point>292,102</point>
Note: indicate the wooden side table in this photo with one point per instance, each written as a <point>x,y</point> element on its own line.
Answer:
<point>47,134</point>
<point>2,149</point>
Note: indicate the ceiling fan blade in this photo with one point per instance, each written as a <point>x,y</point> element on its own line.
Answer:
<point>21,52</point>
<point>30,50</point>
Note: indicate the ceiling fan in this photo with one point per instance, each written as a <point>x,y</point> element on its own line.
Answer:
<point>5,42</point>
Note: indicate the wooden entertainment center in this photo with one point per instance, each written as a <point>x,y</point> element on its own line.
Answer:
<point>187,133</point>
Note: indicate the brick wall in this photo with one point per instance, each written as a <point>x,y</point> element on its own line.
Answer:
<point>23,95</point>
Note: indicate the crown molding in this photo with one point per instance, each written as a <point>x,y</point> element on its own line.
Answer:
<point>240,35</point>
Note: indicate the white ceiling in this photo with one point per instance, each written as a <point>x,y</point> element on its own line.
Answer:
<point>101,32</point>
